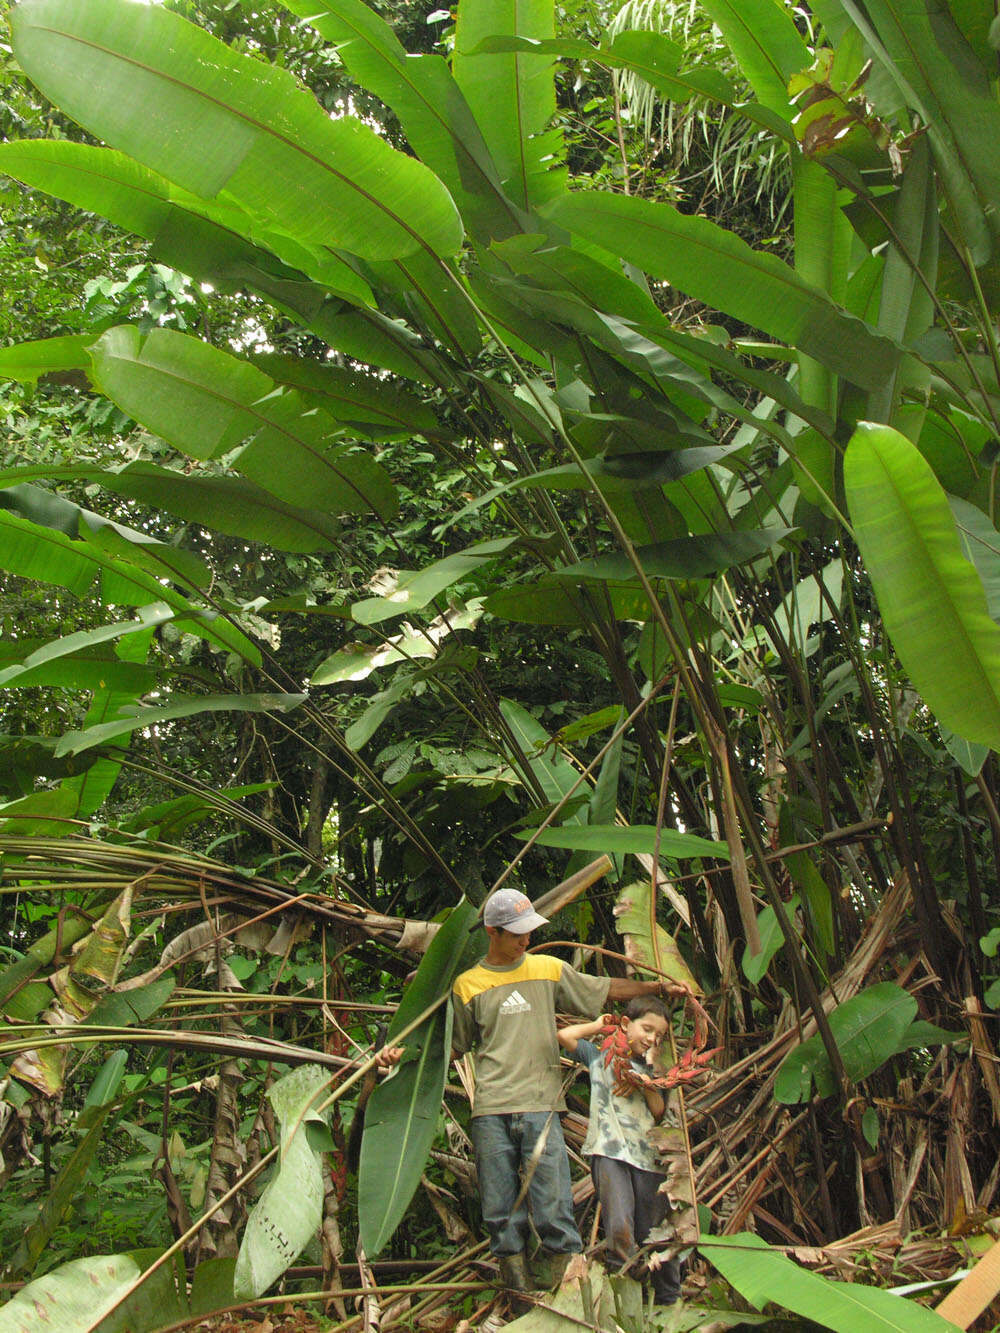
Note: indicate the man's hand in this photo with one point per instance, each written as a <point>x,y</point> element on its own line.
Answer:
<point>389,1056</point>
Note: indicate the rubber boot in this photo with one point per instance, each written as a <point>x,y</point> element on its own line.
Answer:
<point>548,1267</point>
<point>516,1279</point>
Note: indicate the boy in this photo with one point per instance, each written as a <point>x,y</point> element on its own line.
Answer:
<point>622,1160</point>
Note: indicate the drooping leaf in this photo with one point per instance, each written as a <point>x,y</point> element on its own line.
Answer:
<point>260,138</point>
<point>54,511</point>
<point>225,504</point>
<point>403,1110</point>
<point>761,1274</point>
<point>927,591</point>
<point>374,407</point>
<point>43,553</point>
<point>632,921</point>
<point>289,1211</point>
<point>719,268</point>
<point>27,669</point>
<point>632,838</point>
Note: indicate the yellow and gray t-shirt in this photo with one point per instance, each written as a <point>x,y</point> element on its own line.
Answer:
<point>507,1014</point>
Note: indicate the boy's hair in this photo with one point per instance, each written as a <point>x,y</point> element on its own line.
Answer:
<point>640,1005</point>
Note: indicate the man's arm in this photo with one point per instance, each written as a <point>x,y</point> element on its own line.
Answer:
<point>568,1037</point>
<point>656,1103</point>
<point>626,988</point>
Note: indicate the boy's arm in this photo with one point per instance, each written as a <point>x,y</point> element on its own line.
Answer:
<point>569,1036</point>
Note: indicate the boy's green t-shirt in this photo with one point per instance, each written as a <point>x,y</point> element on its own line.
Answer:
<point>507,1015</point>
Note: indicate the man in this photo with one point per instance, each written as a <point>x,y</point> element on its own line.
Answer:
<point>504,1010</point>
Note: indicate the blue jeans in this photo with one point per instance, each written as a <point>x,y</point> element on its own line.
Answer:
<point>503,1145</point>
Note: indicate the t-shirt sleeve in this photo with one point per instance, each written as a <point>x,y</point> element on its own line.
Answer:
<point>576,993</point>
<point>586,1052</point>
<point>463,1028</point>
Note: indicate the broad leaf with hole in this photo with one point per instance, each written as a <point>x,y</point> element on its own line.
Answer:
<point>289,1211</point>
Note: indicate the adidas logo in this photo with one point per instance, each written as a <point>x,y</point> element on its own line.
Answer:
<point>515,1003</point>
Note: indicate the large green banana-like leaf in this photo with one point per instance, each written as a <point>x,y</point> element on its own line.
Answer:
<point>26,362</point>
<point>932,600</point>
<point>206,402</point>
<point>630,838</point>
<point>403,1110</point>
<point>906,308</point>
<point>157,558</point>
<point>73,742</point>
<point>683,558</point>
<point>512,96</point>
<point>30,664</point>
<point>656,59</point>
<point>767,46</point>
<point>224,504</point>
<point>225,122</point>
<point>74,1297</point>
<point>717,267</point>
<point>412,590</point>
<point>98,1295</point>
<point>548,602</point>
<point>431,298</point>
<point>288,1213</point>
<point>549,772</point>
<point>429,103</point>
<point>208,242</point>
<point>37,552</point>
<point>940,76</point>
<point>372,407</point>
<point>762,1275</point>
<point>981,544</point>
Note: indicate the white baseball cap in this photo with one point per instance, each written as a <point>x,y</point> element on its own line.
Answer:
<point>511,910</point>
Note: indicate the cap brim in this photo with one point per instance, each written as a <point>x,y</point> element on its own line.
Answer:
<point>530,921</point>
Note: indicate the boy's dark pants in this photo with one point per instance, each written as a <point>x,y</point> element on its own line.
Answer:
<point>631,1206</point>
